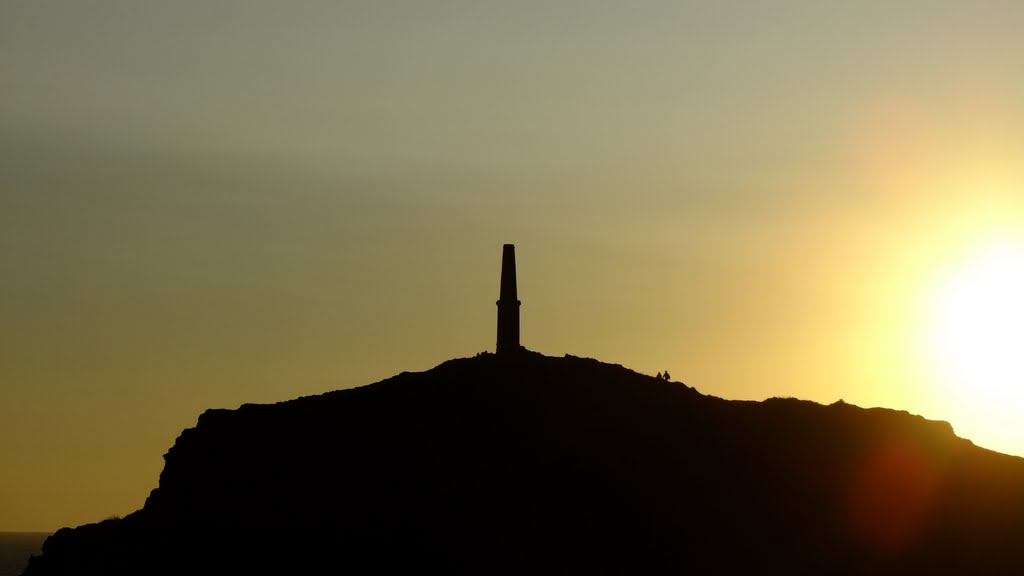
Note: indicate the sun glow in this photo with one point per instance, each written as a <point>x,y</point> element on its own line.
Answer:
<point>977,334</point>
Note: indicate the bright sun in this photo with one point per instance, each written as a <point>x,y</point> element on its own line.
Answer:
<point>978,329</point>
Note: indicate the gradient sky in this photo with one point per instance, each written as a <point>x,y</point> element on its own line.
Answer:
<point>204,204</point>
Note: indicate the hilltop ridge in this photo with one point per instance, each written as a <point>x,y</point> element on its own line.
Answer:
<point>526,462</point>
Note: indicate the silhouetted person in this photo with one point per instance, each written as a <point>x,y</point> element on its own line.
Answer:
<point>508,304</point>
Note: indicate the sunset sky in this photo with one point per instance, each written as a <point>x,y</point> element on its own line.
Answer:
<point>204,204</point>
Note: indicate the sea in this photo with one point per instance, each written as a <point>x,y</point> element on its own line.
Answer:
<point>15,549</point>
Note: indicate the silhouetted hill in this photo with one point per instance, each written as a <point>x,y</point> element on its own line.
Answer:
<point>530,463</point>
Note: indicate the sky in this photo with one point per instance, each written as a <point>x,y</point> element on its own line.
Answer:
<point>205,204</point>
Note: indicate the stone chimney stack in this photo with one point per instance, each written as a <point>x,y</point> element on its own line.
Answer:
<point>508,304</point>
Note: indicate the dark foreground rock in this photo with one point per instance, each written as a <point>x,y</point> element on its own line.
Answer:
<point>538,464</point>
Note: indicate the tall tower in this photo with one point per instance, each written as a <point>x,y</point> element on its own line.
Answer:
<point>508,304</point>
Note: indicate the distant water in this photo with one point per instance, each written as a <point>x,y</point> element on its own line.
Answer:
<point>16,547</point>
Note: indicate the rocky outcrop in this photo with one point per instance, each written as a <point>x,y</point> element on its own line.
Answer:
<point>531,463</point>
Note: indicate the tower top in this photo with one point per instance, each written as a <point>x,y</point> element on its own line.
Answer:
<point>508,303</point>
<point>508,273</point>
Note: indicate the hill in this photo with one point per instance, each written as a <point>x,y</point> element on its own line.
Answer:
<point>529,463</point>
